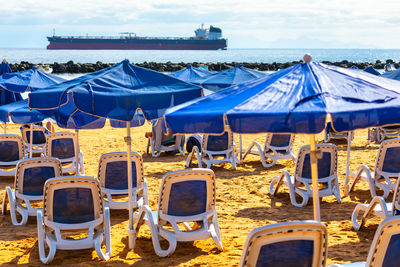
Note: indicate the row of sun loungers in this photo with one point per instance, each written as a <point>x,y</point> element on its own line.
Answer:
<point>186,196</point>
<point>186,205</point>
<point>376,134</point>
<point>72,203</point>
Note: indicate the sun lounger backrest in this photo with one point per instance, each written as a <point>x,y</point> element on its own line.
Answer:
<point>160,137</point>
<point>283,141</point>
<point>31,174</point>
<point>280,140</point>
<point>187,192</point>
<point>218,142</point>
<point>396,199</point>
<point>61,145</point>
<point>286,244</point>
<point>113,170</point>
<point>392,127</point>
<point>11,147</point>
<point>385,248</point>
<point>39,134</point>
<point>327,164</point>
<point>72,200</point>
<point>388,160</point>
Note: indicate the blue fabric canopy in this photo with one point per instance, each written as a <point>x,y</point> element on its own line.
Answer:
<point>228,77</point>
<point>294,100</point>
<point>117,92</point>
<point>28,80</point>
<point>392,74</point>
<point>6,96</point>
<point>191,73</point>
<point>371,70</point>
<point>354,67</point>
<point>20,113</point>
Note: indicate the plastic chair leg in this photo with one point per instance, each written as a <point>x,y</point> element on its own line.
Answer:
<point>42,242</point>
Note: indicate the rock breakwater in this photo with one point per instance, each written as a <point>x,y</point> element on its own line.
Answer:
<point>72,67</point>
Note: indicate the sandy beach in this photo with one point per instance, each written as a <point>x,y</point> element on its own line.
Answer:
<point>243,203</point>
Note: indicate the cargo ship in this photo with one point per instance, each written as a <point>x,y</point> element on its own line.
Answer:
<point>204,39</point>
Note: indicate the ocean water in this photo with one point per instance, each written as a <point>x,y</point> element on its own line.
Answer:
<point>44,56</point>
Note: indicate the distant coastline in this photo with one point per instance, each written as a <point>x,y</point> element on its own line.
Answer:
<point>72,67</point>
<point>258,56</point>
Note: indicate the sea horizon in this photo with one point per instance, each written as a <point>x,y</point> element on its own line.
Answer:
<point>248,55</point>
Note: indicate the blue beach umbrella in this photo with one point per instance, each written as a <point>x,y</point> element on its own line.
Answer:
<point>228,77</point>
<point>119,93</point>
<point>6,96</point>
<point>19,113</point>
<point>392,74</point>
<point>371,70</point>
<point>299,99</point>
<point>28,80</point>
<point>191,73</point>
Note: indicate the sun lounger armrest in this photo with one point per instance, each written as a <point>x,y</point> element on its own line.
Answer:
<point>155,234</point>
<point>85,225</point>
<point>145,194</point>
<point>363,168</point>
<point>197,217</point>
<point>278,180</point>
<point>357,176</point>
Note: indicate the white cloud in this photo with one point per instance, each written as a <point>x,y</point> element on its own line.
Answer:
<point>251,23</point>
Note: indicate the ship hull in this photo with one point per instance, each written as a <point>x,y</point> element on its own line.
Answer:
<point>135,44</point>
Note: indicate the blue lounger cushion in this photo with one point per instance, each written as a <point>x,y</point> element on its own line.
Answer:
<point>392,252</point>
<point>73,205</point>
<point>116,175</point>
<point>38,137</point>
<point>35,178</point>
<point>324,166</point>
<point>218,142</point>
<point>63,148</point>
<point>293,253</point>
<point>391,162</point>
<point>9,151</point>
<point>187,198</point>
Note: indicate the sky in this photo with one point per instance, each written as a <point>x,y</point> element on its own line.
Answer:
<point>246,24</point>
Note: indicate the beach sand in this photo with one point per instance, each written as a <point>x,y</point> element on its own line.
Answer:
<point>242,204</point>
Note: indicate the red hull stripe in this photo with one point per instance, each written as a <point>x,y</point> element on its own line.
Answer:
<point>94,46</point>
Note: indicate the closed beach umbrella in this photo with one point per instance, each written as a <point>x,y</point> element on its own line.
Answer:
<point>6,96</point>
<point>371,70</point>
<point>28,80</point>
<point>392,74</point>
<point>191,73</point>
<point>228,77</point>
<point>117,93</point>
<point>298,99</point>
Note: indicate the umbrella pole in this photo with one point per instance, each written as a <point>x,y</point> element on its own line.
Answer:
<point>314,175</point>
<point>240,150</point>
<point>31,140</point>
<point>346,181</point>
<point>129,171</point>
<point>5,128</point>
<point>77,152</point>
